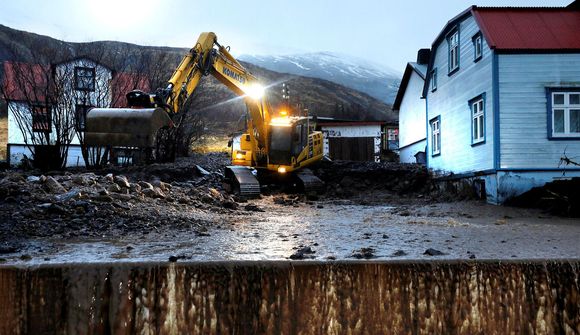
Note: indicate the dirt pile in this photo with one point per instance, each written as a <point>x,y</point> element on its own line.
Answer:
<point>373,181</point>
<point>90,204</point>
<point>560,197</point>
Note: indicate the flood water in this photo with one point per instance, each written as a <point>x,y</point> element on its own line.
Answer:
<point>333,231</point>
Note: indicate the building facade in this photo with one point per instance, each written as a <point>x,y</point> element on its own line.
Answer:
<point>45,103</point>
<point>411,108</point>
<point>502,92</point>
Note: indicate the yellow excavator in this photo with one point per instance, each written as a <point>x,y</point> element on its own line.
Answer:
<point>273,144</point>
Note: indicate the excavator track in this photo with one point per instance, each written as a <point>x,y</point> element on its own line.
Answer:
<point>243,181</point>
<point>308,181</point>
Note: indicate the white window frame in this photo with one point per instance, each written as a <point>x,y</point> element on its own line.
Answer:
<point>85,78</point>
<point>567,107</point>
<point>436,136</point>
<point>477,106</point>
<point>433,80</point>
<point>453,55</point>
<point>477,47</point>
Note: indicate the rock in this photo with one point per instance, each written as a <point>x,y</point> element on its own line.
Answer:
<point>75,193</point>
<point>145,185</point>
<point>135,188</point>
<point>364,253</point>
<point>230,204</point>
<point>202,171</point>
<point>433,252</point>
<point>175,258</point>
<point>161,185</point>
<point>121,196</point>
<point>253,208</point>
<point>103,198</point>
<point>33,179</point>
<point>472,256</point>
<point>302,253</point>
<point>154,193</point>
<point>122,181</point>
<point>53,186</point>
<point>319,206</point>
<point>114,188</point>
<point>109,177</point>
<point>279,201</point>
<point>399,253</point>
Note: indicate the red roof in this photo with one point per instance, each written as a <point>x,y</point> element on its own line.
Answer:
<point>123,83</point>
<point>530,28</point>
<point>25,82</point>
<point>29,82</point>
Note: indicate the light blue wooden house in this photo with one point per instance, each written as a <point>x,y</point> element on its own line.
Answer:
<point>502,92</point>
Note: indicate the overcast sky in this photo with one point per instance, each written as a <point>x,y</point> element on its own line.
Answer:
<point>387,32</point>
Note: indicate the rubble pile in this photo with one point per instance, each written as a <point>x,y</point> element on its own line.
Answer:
<point>134,199</point>
<point>346,179</point>
<point>560,197</point>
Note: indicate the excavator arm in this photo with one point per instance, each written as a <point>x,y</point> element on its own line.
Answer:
<point>277,145</point>
<point>137,125</point>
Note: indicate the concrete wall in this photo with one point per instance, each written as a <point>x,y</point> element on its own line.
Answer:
<point>436,297</point>
<point>450,101</point>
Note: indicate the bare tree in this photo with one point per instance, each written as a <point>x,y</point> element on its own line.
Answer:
<point>38,100</point>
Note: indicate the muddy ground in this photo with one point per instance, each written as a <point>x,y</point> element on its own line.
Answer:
<point>183,211</point>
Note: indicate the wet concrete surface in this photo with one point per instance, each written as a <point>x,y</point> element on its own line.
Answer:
<point>329,231</point>
<point>360,297</point>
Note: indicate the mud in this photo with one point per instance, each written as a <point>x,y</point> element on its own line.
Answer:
<point>182,212</point>
<point>531,297</point>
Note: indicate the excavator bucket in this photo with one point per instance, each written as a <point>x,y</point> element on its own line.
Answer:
<point>124,127</point>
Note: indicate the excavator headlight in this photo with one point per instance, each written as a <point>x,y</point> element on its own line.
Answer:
<point>255,91</point>
<point>239,156</point>
<point>281,170</point>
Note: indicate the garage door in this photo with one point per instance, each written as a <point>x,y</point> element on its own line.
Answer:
<point>352,148</point>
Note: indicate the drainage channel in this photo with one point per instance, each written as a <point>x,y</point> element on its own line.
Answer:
<point>283,297</point>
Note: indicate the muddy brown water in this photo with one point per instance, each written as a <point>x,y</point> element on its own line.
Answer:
<point>280,297</point>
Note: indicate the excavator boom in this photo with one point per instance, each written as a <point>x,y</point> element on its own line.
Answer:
<point>278,144</point>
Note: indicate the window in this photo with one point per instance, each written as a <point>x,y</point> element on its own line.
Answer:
<point>81,116</point>
<point>564,110</point>
<point>436,136</point>
<point>453,44</point>
<point>477,47</point>
<point>477,107</point>
<point>84,78</point>
<point>41,118</point>
<point>433,80</point>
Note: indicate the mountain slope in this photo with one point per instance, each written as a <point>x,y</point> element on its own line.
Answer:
<point>359,74</point>
<point>214,100</point>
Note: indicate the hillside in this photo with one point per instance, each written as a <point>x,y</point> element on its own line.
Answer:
<point>360,74</point>
<point>214,100</point>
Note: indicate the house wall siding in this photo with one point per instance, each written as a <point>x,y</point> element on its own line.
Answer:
<point>412,113</point>
<point>523,108</point>
<point>450,102</point>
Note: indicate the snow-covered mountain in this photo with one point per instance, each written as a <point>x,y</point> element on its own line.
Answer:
<point>377,81</point>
